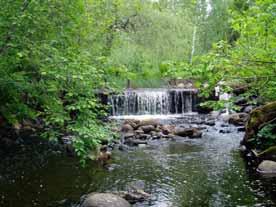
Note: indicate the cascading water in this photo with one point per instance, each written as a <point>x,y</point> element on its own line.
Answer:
<point>153,102</point>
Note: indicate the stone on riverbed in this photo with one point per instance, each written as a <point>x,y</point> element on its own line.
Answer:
<point>127,128</point>
<point>167,129</point>
<point>210,122</point>
<point>135,142</point>
<point>183,132</point>
<point>129,135</point>
<point>267,167</point>
<point>135,196</point>
<point>104,200</point>
<point>196,134</point>
<point>148,128</point>
<point>188,132</point>
<point>148,122</point>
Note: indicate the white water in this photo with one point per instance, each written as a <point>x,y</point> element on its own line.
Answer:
<point>158,102</point>
<point>147,117</point>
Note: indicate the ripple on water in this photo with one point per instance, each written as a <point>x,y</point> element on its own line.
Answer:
<point>202,172</point>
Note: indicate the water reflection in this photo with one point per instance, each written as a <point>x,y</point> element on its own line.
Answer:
<point>203,172</point>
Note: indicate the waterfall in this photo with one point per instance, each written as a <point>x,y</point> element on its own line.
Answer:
<point>153,102</point>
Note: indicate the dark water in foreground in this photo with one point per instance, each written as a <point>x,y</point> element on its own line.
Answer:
<point>203,172</point>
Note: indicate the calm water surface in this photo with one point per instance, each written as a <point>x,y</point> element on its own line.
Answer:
<point>180,173</point>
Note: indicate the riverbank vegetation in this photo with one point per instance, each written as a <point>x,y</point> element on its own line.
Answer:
<point>55,54</point>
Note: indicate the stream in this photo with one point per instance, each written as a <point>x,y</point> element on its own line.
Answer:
<point>184,172</point>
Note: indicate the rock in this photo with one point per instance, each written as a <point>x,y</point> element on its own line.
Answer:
<point>127,128</point>
<point>243,148</point>
<point>158,128</point>
<point>267,167</point>
<point>135,142</point>
<point>147,122</point>
<point>238,119</point>
<point>239,89</point>
<point>188,132</point>
<point>123,147</point>
<point>247,109</point>
<point>224,125</point>
<point>258,118</point>
<point>136,196</point>
<point>183,132</point>
<point>153,133</point>
<point>241,129</point>
<point>148,128</point>
<point>210,122</point>
<point>143,136</point>
<point>139,131</point>
<point>167,129</point>
<point>225,131</point>
<point>104,156</point>
<point>104,200</point>
<point>129,135</point>
<point>133,123</point>
<point>240,101</point>
<point>196,134</point>
<point>215,114</point>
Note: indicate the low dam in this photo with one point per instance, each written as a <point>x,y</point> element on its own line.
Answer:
<point>154,102</point>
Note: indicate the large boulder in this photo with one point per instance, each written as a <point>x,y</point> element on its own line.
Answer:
<point>258,118</point>
<point>238,119</point>
<point>104,200</point>
<point>267,167</point>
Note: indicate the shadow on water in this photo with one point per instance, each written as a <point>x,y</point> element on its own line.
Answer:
<point>201,172</point>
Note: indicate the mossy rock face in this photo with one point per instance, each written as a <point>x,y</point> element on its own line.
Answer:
<point>259,117</point>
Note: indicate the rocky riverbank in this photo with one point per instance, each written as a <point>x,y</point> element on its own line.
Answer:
<point>259,142</point>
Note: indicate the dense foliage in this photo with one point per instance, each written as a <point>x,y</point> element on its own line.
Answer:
<point>48,68</point>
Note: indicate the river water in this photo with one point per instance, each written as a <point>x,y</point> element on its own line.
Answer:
<point>184,172</point>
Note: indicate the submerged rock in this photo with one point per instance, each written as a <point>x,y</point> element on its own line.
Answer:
<point>104,200</point>
<point>267,167</point>
<point>104,155</point>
